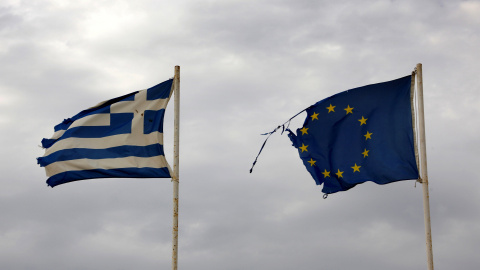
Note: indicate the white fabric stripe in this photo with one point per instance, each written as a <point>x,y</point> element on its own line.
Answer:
<point>58,134</point>
<point>106,142</point>
<point>110,163</point>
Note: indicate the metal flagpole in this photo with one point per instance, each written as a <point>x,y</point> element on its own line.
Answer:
<point>423,166</point>
<point>175,178</point>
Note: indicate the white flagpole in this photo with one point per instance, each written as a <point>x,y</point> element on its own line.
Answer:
<point>423,167</point>
<point>175,178</point>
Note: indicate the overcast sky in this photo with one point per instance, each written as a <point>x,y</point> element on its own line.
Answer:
<point>246,66</point>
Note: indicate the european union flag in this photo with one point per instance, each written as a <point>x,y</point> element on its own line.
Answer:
<point>362,134</point>
<point>117,138</point>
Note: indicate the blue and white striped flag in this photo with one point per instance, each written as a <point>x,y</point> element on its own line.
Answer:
<point>118,138</point>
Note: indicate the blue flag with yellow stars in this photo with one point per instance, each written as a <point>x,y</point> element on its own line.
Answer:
<point>362,134</point>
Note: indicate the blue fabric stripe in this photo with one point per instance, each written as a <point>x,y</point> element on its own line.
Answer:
<point>71,176</point>
<point>113,152</point>
<point>46,143</point>
<point>120,123</point>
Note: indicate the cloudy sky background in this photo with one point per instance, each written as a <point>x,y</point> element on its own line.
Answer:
<point>246,66</point>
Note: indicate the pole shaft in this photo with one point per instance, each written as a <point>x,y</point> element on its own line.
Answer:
<point>175,178</point>
<point>423,170</point>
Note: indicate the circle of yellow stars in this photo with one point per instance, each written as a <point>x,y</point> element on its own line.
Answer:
<point>368,135</point>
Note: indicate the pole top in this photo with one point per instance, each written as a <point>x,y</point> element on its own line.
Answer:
<point>417,68</point>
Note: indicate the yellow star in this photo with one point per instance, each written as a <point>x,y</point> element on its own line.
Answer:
<point>368,135</point>
<point>348,109</point>
<point>356,168</point>
<point>314,116</point>
<point>365,153</point>
<point>312,162</point>
<point>331,108</point>
<point>326,173</point>
<point>304,147</point>
<point>339,174</point>
<point>304,130</point>
<point>363,121</point>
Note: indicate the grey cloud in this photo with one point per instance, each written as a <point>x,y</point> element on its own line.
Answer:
<point>246,67</point>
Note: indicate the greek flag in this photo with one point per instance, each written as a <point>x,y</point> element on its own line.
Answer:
<point>118,138</point>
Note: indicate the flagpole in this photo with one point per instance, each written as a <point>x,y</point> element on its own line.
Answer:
<point>175,178</point>
<point>423,166</point>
